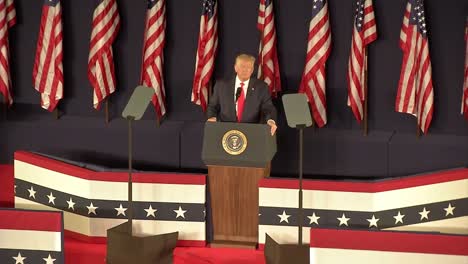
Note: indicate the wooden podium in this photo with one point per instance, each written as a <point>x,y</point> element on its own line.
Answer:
<point>238,155</point>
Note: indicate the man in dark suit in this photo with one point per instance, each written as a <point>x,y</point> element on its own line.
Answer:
<point>243,98</point>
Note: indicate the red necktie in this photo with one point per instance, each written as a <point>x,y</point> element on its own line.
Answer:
<point>240,103</point>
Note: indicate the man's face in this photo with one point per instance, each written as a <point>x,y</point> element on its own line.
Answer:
<point>244,69</point>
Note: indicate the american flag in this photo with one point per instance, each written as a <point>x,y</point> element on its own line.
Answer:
<point>268,66</point>
<point>464,109</point>
<point>415,92</point>
<point>48,68</point>
<point>106,24</point>
<point>318,50</point>
<point>30,236</point>
<point>206,52</point>
<point>364,32</point>
<point>153,47</point>
<point>7,20</point>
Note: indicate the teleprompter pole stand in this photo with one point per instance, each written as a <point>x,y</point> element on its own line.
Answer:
<point>123,246</point>
<point>298,117</point>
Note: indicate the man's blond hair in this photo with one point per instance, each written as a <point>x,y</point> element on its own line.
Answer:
<point>245,57</point>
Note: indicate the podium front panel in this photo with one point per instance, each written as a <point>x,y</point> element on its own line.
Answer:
<point>238,144</point>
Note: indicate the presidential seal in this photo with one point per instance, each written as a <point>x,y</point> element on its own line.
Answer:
<point>234,142</point>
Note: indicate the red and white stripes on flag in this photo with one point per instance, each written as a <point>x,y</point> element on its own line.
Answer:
<point>415,92</point>
<point>464,107</point>
<point>48,68</point>
<point>364,32</point>
<point>206,53</point>
<point>7,20</point>
<point>268,66</point>
<point>106,24</point>
<point>153,57</point>
<point>318,50</point>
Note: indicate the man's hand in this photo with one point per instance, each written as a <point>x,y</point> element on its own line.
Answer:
<point>272,125</point>
<point>211,119</point>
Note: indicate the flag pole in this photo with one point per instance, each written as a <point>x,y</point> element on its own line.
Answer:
<point>314,127</point>
<point>106,109</point>
<point>366,97</point>
<point>5,108</point>
<point>418,130</point>
<point>56,113</point>
<point>210,90</point>
<point>158,122</point>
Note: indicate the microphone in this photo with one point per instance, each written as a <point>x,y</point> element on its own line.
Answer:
<point>238,93</point>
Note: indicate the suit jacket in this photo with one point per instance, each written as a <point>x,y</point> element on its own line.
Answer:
<point>257,102</point>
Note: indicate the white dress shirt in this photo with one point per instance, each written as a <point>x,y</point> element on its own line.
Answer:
<point>238,84</point>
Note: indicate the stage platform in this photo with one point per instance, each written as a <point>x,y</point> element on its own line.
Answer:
<point>80,252</point>
<point>446,221</point>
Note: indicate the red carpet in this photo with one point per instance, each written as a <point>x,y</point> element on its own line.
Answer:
<point>77,252</point>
